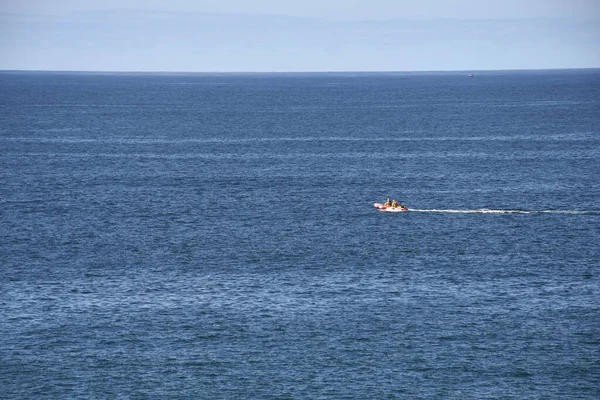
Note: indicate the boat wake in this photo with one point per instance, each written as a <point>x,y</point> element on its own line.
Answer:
<point>497,211</point>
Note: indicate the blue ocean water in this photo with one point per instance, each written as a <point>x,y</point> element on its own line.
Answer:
<point>212,236</point>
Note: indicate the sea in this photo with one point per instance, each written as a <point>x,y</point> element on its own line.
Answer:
<point>213,235</point>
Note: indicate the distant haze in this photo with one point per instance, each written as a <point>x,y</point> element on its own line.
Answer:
<point>132,35</point>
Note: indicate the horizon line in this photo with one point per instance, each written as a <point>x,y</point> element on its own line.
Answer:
<point>296,72</point>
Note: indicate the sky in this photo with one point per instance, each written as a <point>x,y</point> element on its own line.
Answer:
<point>296,36</point>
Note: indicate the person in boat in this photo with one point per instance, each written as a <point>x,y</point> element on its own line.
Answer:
<point>388,203</point>
<point>394,204</point>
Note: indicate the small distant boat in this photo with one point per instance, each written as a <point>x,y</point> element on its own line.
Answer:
<point>383,207</point>
<point>470,75</point>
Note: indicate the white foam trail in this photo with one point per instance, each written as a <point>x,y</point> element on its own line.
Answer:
<point>493,211</point>
<point>475,211</point>
<point>588,212</point>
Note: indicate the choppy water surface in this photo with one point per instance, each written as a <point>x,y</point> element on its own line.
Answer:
<point>213,236</point>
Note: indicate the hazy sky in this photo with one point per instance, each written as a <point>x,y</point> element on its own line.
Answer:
<point>308,35</point>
